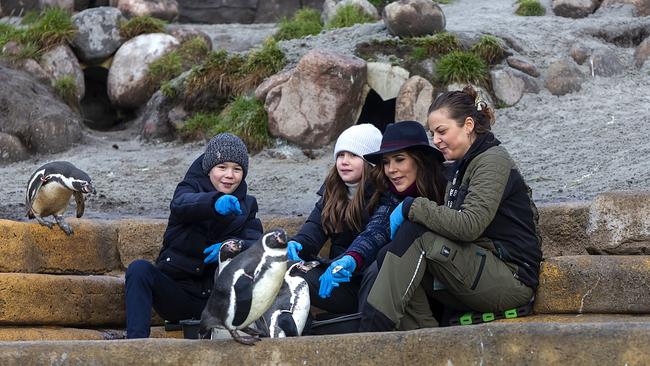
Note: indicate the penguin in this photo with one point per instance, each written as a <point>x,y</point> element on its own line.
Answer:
<point>246,288</point>
<point>49,190</point>
<point>288,314</point>
<point>228,250</point>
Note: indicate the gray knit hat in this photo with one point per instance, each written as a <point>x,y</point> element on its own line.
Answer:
<point>222,148</point>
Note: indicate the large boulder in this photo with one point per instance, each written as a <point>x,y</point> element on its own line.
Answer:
<point>11,149</point>
<point>98,35</point>
<point>217,11</point>
<point>18,7</point>
<point>606,63</point>
<point>161,9</point>
<point>574,8</point>
<point>413,100</point>
<point>639,8</point>
<point>413,18</point>
<point>508,88</point>
<point>386,79</point>
<point>271,11</point>
<point>61,62</point>
<point>321,99</point>
<point>330,7</point>
<point>563,77</point>
<point>30,111</point>
<point>128,85</point>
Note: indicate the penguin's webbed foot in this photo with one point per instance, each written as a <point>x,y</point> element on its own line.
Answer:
<point>252,332</point>
<point>44,222</point>
<point>247,340</point>
<point>64,225</point>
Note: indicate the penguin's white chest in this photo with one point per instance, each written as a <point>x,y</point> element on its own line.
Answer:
<point>51,199</point>
<point>300,302</point>
<point>266,288</point>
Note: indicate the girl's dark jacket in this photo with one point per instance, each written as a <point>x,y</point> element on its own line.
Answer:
<point>312,236</point>
<point>487,203</point>
<point>194,225</point>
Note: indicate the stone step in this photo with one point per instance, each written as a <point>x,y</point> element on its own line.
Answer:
<point>613,223</point>
<point>493,343</point>
<point>53,333</point>
<point>594,284</point>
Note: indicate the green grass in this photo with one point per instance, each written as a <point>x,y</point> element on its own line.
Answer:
<point>141,25</point>
<point>304,22</point>
<point>530,8</point>
<point>8,33</point>
<point>347,16</point>
<point>53,27</point>
<point>490,49</point>
<point>437,44</point>
<point>193,51</point>
<point>168,90</point>
<point>171,65</point>
<point>66,88</point>
<point>244,117</point>
<point>443,1</point>
<point>265,61</point>
<point>462,67</point>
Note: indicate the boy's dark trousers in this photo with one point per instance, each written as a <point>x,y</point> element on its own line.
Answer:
<point>147,286</point>
<point>342,300</point>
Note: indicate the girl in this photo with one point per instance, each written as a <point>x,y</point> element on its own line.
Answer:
<point>480,249</point>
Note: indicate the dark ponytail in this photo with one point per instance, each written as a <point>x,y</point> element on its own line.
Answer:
<point>462,104</point>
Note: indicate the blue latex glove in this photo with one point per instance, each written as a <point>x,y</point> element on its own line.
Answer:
<point>227,204</point>
<point>293,247</point>
<point>213,253</point>
<point>396,220</point>
<point>339,271</point>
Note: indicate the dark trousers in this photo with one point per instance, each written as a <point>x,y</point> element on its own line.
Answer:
<point>147,286</point>
<point>342,300</point>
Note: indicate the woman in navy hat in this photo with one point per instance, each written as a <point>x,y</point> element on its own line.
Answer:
<point>480,250</point>
<point>408,166</point>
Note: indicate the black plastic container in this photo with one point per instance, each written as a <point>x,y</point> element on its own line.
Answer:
<point>190,328</point>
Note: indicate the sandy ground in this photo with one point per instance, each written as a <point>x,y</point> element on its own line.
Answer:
<point>568,148</point>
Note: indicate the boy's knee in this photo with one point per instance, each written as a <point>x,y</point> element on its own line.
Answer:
<point>139,268</point>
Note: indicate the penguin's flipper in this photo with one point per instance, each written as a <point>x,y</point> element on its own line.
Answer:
<point>243,289</point>
<point>32,190</point>
<point>63,225</point>
<point>286,323</point>
<point>81,203</point>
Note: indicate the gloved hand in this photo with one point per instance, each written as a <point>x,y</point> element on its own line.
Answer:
<point>213,253</point>
<point>227,204</point>
<point>339,271</point>
<point>396,220</point>
<point>293,247</point>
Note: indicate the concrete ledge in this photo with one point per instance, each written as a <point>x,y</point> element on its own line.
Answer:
<point>594,284</point>
<point>515,344</point>
<point>43,299</point>
<point>57,334</point>
<point>580,318</point>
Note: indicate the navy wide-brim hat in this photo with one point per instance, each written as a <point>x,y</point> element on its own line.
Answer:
<point>404,135</point>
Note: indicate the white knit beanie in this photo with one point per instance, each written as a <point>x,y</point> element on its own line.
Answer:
<point>359,139</point>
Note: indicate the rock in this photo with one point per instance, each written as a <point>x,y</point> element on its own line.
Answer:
<point>321,99</point>
<point>413,18</point>
<point>161,9</point>
<point>563,77</point>
<point>507,87</point>
<point>11,149</point>
<point>63,4</point>
<point>217,11</point>
<point>139,239</point>
<point>127,84</point>
<point>272,11</point>
<point>271,82</point>
<point>34,69</point>
<point>619,223</point>
<point>642,53</point>
<point>413,100</point>
<point>640,8</point>
<point>30,111</point>
<point>580,53</point>
<point>385,79</point>
<point>523,65</point>
<point>186,34</point>
<point>330,7</point>
<point>60,62</point>
<point>605,63</point>
<point>157,119</point>
<point>98,35</point>
<point>18,7</point>
<point>574,8</point>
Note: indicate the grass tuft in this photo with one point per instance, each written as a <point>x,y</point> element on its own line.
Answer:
<point>53,27</point>
<point>347,16</point>
<point>66,88</point>
<point>304,22</point>
<point>490,49</point>
<point>530,8</point>
<point>141,25</point>
<point>462,67</point>
<point>437,44</point>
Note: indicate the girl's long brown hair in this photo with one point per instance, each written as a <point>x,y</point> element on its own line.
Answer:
<point>339,212</point>
<point>429,179</point>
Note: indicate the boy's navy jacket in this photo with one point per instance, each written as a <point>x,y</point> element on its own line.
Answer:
<point>194,225</point>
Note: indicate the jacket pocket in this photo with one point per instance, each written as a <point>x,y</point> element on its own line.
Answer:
<point>178,266</point>
<point>479,272</point>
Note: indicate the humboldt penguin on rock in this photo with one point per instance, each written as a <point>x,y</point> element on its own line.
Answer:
<point>288,314</point>
<point>246,288</point>
<point>49,190</point>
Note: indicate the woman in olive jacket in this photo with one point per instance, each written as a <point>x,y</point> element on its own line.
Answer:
<point>480,250</point>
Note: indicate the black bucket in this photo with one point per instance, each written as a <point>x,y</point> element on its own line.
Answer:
<point>190,328</point>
